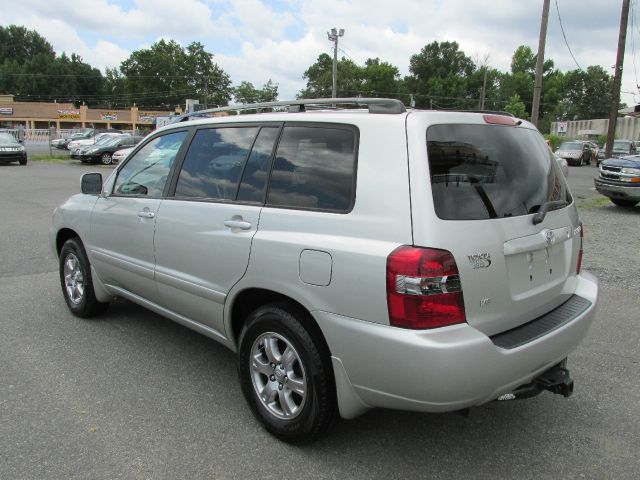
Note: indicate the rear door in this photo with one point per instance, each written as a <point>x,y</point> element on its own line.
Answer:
<point>204,230</point>
<point>477,182</point>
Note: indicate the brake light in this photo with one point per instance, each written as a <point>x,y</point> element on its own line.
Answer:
<point>423,288</point>
<point>581,227</point>
<point>500,120</point>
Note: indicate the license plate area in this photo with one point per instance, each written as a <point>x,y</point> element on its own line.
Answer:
<point>538,270</point>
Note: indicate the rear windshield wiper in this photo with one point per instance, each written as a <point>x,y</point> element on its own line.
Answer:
<point>547,207</point>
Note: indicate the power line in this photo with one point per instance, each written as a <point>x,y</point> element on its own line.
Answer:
<point>565,37</point>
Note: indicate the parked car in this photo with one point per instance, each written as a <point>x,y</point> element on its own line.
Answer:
<point>61,143</point>
<point>104,152</point>
<point>120,155</point>
<point>78,146</point>
<point>11,150</point>
<point>331,250</point>
<point>619,179</point>
<point>621,148</point>
<point>575,153</point>
<point>92,139</point>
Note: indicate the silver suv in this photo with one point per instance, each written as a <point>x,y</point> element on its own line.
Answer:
<point>353,258</point>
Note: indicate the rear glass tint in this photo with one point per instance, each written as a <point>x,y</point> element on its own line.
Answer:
<point>486,171</point>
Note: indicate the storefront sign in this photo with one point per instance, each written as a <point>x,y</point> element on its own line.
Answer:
<point>69,114</point>
<point>146,117</point>
<point>6,110</point>
<point>109,116</point>
<point>562,127</point>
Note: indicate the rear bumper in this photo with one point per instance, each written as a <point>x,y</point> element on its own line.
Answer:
<point>613,189</point>
<point>444,369</point>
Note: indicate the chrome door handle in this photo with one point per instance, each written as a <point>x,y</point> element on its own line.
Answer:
<point>239,224</point>
<point>146,214</point>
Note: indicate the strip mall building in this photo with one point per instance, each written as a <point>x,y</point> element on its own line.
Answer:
<point>40,115</point>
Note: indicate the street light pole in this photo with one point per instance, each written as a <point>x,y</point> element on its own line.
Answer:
<point>333,36</point>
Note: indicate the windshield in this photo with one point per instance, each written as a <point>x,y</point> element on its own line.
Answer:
<point>619,146</point>
<point>111,141</point>
<point>7,138</point>
<point>103,139</point>
<point>484,171</point>
<point>571,146</point>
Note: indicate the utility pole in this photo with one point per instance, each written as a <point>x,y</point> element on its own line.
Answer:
<point>484,89</point>
<point>333,36</point>
<point>537,89</point>
<point>617,79</point>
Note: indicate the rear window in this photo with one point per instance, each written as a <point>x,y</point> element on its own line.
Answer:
<point>486,171</point>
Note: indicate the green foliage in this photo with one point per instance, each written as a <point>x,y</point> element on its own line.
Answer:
<point>19,44</point>
<point>319,78</point>
<point>516,107</point>
<point>166,73</point>
<point>555,140</point>
<point>247,93</point>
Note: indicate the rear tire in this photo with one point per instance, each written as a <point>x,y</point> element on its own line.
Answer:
<point>286,376</point>
<point>624,203</point>
<point>76,281</point>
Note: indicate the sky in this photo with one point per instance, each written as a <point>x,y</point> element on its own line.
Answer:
<point>258,40</point>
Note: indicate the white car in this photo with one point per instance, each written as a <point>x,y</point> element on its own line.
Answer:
<point>72,146</point>
<point>120,155</point>
<point>415,260</point>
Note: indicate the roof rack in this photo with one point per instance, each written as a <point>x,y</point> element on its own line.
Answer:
<point>374,105</point>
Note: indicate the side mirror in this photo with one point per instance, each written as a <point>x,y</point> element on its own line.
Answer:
<point>91,183</point>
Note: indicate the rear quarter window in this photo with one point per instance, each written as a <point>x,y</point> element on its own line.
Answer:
<point>314,168</point>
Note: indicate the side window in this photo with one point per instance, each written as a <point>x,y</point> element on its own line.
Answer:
<point>254,178</point>
<point>214,163</point>
<point>146,173</point>
<point>314,168</point>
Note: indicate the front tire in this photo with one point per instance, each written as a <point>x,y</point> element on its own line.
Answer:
<point>106,159</point>
<point>23,161</point>
<point>76,281</point>
<point>624,203</point>
<point>285,374</point>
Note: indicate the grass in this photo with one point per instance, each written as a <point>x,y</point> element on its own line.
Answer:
<point>59,158</point>
<point>595,203</point>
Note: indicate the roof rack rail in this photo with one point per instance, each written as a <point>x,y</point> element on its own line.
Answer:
<point>374,105</point>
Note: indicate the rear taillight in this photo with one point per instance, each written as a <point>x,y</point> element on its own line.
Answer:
<point>581,227</point>
<point>423,288</point>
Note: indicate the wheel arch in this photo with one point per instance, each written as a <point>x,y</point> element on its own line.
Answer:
<point>249,299</point>
<point>63,235</point>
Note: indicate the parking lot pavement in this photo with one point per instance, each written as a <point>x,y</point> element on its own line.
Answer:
<point>132,395</point>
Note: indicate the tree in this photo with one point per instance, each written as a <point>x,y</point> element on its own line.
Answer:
<point>319,78</point>
<point>380,79</point>
<point>516,107</point>
<point>19,44</point>
<point>246,93</point>
<point>440,71</point>
<point>166,73</point>
<point>586,93</point>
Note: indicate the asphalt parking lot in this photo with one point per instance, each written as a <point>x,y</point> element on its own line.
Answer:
<point>132,395</point>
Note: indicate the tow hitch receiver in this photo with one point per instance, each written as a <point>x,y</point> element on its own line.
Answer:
<point>556,380</point>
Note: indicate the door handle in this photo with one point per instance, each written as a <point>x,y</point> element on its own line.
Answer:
<point>146,214</point>
<point>237,222</point>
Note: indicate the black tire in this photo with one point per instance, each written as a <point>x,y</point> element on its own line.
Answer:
<point>23,161</point>
<point>624,203</point>
<point>86,305</point>
<point>318,409</point>
<point>106,159</point>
